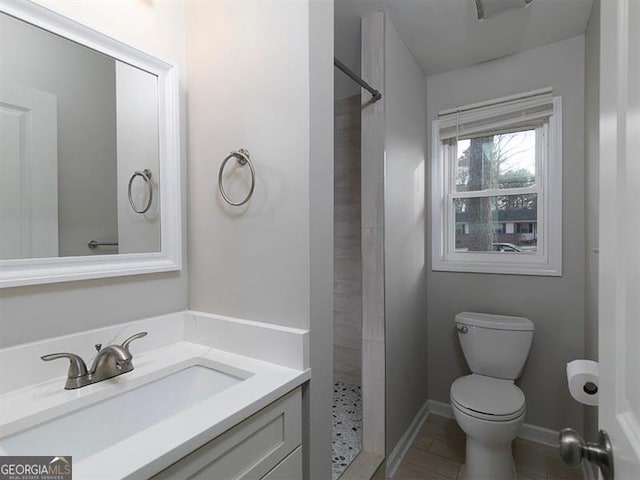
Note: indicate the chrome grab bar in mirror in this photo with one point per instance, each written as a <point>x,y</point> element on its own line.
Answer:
<point>95,244</point>
<point>146,176</point>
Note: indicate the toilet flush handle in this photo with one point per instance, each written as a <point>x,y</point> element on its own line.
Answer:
<point>462,328</point>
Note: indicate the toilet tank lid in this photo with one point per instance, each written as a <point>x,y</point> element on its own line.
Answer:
<point>495,322</point>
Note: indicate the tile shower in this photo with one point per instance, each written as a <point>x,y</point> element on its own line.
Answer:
<point>347,314</point>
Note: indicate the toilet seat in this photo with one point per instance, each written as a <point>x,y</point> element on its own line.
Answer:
<point>487,398</point>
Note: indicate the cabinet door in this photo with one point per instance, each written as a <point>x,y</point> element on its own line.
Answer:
<point>247,451</point>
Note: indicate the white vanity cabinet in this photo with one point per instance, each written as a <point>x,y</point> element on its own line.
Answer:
<point>264,446</point>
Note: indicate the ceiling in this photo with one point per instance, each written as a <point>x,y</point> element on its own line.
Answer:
<point>445,35</point>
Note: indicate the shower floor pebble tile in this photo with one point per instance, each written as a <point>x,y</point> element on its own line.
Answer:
<point>347,426</point>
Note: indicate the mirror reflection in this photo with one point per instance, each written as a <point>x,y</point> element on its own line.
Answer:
<point>79,167</point>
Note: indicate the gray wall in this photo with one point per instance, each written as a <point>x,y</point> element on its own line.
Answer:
<point>84,83</point>
<point>38,312</point>
<point>556,305</point>
<point>592,164</point>
<point>252,261</point>
<point>270,260</point>
<point>404,233</point>
<point>347,238</point>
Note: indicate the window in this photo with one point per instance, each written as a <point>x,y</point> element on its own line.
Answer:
<point>524,227</point>
<point>497,186</point>
<point>499,228</point>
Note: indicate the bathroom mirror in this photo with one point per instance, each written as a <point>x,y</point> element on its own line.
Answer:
<point>89,153</point>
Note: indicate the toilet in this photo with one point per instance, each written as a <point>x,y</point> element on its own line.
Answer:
<point>487,405</point>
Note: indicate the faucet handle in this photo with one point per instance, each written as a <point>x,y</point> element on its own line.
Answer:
<point>126,343</point>
<point>77,367</point>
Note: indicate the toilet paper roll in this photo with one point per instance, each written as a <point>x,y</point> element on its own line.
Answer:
<point>582,376</point>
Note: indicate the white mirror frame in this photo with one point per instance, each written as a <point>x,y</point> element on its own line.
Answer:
<point>33,271</point>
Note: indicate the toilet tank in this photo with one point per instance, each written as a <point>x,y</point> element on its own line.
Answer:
<point>495,345</point>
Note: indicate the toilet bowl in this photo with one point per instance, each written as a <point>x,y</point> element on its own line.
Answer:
<point>487,405</point>
<point>490,428</point>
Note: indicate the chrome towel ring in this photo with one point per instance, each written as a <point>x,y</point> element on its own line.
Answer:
<point>243,158</point>
<point>146,176</point>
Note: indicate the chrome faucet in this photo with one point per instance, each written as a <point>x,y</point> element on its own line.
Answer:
<point>111,361</point>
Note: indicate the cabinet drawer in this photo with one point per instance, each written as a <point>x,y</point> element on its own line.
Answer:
<point>250,449</point>
<point>288,469</point>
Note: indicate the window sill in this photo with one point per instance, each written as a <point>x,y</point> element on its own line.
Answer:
<point>541,269</point>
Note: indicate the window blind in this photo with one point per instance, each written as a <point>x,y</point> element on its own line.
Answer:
<point>507,114</point>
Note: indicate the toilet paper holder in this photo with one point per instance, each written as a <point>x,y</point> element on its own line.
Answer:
<point>582,380</point>
<point>590,388</point>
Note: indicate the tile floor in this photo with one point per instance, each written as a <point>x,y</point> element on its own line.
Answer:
<point>347,426</point>
<point>438,453</point>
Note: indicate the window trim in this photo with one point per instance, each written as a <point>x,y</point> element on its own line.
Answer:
<point>548,260</point>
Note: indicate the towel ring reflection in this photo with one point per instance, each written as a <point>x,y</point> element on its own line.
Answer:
<point>243,158</point>
<point>146,176</point>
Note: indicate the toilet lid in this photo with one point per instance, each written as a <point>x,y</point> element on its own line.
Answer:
<point>489,396</point>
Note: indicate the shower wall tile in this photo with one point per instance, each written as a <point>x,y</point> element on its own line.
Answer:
<point>347,242</point>
<point>350,365</point>
<point>373,174</point>
<point>346,339</point>
<point>373,178</point>
<point>345,106</point>
<point>373,394</point>
<point>373,283</point>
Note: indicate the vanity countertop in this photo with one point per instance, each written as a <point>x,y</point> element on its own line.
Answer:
<point>152,449</point>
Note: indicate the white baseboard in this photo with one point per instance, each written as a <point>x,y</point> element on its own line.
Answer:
<point>537,434</point>
<point>527,431</point>
<point>401,448</point>
<point>440,408</point>
<point>530,432</point>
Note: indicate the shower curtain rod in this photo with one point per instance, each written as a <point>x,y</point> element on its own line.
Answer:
<point>341,66</point>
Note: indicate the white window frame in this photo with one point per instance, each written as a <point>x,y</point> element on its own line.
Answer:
<point>547,261</point>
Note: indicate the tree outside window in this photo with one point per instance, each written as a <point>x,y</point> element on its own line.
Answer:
<point>496,162</point>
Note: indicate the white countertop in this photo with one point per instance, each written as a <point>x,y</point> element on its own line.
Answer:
<point>155,448</point>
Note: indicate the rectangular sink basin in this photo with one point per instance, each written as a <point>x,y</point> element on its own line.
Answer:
<point>85,432</point>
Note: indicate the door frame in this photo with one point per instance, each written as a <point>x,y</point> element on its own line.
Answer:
<point>37,113</point>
